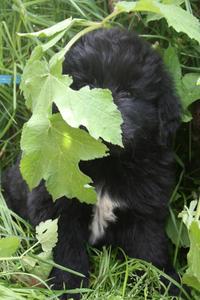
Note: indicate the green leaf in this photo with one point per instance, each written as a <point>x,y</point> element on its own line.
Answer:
<point>28,262</point>
<point>53,41</point>
<point>181,20</point>
<point>56,31</point>
<point>36,266</point>
<point>178,18</point>
<point>192,89</point>
<point>173,228</point>
<point>155,17</point>
<point>35,76</point>
<point>42,269</point>
<point>192,275</point>
<point>52,150</point>
<point>8,246</point>
<point>142,5</point>
<point>93,109</point>
<point>186,86</point>
<point>189,92</point>
<point>47,234</point>
<point>58,27</point>
<point>172,62</point>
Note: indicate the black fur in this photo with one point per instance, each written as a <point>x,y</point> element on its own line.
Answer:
<point>139,177</point>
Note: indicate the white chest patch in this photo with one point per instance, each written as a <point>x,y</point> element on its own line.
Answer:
<point>103,214</point>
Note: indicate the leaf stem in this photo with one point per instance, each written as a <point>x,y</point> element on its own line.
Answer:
<point>111,16</point>
<point>59,56</point>
<point>93,26</point>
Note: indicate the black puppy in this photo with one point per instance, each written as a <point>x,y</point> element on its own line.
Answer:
<point>133,184</point>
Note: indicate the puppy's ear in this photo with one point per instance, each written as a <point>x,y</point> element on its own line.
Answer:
<point>169,114</point>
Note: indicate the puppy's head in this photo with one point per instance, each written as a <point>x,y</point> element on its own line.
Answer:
<point>141,88</point>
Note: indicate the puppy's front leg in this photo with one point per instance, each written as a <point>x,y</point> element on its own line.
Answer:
<point>70,250</point>
<point>144,238</point>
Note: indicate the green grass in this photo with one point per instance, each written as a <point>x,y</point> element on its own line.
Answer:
<point>110,278</point>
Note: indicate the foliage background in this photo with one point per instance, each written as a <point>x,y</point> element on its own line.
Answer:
<point>109,278</point>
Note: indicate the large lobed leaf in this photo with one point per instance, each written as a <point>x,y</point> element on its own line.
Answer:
<point>178,18</point>
<point>51,148</point>
<point>93,109</point>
